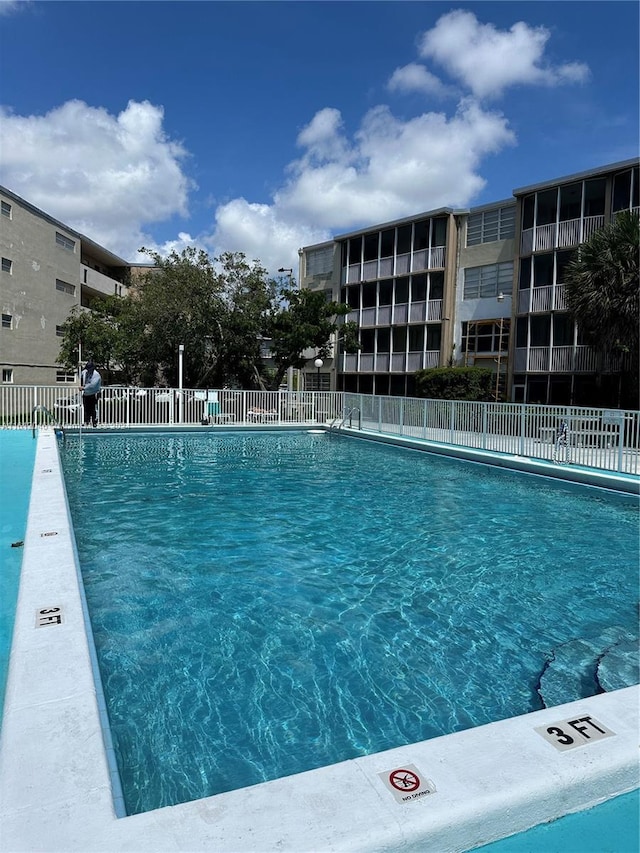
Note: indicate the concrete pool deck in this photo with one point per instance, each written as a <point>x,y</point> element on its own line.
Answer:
<point>59,790</point>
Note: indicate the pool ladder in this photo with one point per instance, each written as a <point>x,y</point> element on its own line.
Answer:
<point>41,408</point>
<point>347,416</point>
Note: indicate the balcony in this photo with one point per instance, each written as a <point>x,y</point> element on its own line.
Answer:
<point>387,315</point>
<point>423,259</point>
<point>559,235</point>
<point>384,362</point>
<point>538,300</point>
<point>100,284</point>
<point>578,359</point>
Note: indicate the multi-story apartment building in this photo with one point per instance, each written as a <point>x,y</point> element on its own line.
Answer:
<point>552,360</point>
<point>47,269</point>
<point>397,280</point>
<point>448,287</point>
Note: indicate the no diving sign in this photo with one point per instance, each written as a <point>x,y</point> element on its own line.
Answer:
<point>407,783</point>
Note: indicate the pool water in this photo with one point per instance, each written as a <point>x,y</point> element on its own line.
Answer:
<point>612,827</point>
<point>265,604</point>
<point>17,455</point>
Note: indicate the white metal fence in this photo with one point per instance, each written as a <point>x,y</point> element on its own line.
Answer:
<point>596,438</point>
<point>22,406</point>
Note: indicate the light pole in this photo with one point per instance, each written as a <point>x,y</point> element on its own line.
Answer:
<point>318,363</point>
<point>180,356</point>
<point>499,298</point>
<point>289,272</point>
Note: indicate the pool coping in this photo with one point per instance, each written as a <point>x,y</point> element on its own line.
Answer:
<point>56,771</point>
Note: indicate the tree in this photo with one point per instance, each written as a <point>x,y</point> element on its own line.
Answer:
<point>249,302</point>
<point>91,335</point>
<point>222,310</point>
<point>306,320</point>
<point>179,301</point>
<point>602,286</point>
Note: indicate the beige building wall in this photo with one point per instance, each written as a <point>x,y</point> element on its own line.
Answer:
<point>46,271</point>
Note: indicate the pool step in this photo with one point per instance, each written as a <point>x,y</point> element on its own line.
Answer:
<point>587,666</point>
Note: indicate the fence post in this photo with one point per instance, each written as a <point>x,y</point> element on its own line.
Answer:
<point>523,427</point>
<point>485,427</point>
<point>452,418</point>
<point>401,416</point>
<point>379,414</point>
<point>621,434</point>
<point>424,421</point>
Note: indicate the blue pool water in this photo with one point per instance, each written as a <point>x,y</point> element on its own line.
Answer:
<point>264,604</point>
<point>612,827</point>
<point>17,454</point>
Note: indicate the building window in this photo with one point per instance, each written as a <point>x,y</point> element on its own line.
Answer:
<point>60,331</point>
<point>485,336</point>
<point>626,190</point>
<point>367,340</point>
<point>491,225</point>
<point>416,338</point>
<point>7,321</point>
<point>65,376</point>
<point>383,336</point>
<point>65,242</point>
<point>7,374</point>
<point>5,209</point>
<point>7,265</point>
<point>434,337</point>
<point>65,287</point>
<point>317,382</point>
<point>488,281</point>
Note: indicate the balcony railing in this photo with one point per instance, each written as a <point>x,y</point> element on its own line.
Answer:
<point>388,315</point>
<point>560,235</point>
<point>562,359</point>
<point>397,362</point>
<point>422,259</point>
<point>534,300</point>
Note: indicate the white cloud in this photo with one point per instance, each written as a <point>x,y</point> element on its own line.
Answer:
<point>415,78</point>
<point>391,168</point>
<point>9,7</point>
<point>103,175</point>
<point>262,232</point>
<point>487,60</point>
<point>117,175</point>
<point>396,167</point>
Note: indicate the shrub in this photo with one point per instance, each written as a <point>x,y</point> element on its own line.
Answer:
<point>456,383</point>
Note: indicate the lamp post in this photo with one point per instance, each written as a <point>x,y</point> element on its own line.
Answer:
<point>180,401</point>
<point>318,363</point>
<point>289,272</point>
<point>499,298</point>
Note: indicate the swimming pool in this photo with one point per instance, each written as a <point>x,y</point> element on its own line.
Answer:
<point>227,579</point>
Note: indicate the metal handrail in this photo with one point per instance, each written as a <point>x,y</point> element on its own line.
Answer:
<point>56,422</point>
<point>348,414</point>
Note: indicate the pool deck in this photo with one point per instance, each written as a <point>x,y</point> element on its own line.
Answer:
<point>59,790</point>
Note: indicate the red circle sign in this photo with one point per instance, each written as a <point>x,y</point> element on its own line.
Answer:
<point>404,780</point>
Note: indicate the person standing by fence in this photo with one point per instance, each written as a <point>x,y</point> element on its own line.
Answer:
<point>90,385</point>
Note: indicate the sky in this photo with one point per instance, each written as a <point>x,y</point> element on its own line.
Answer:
<point>262,127</point>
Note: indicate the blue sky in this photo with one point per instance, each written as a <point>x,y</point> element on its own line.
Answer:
<point>265,126</point>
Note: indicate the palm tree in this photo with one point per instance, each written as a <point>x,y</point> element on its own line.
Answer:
<point>602,286</point>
